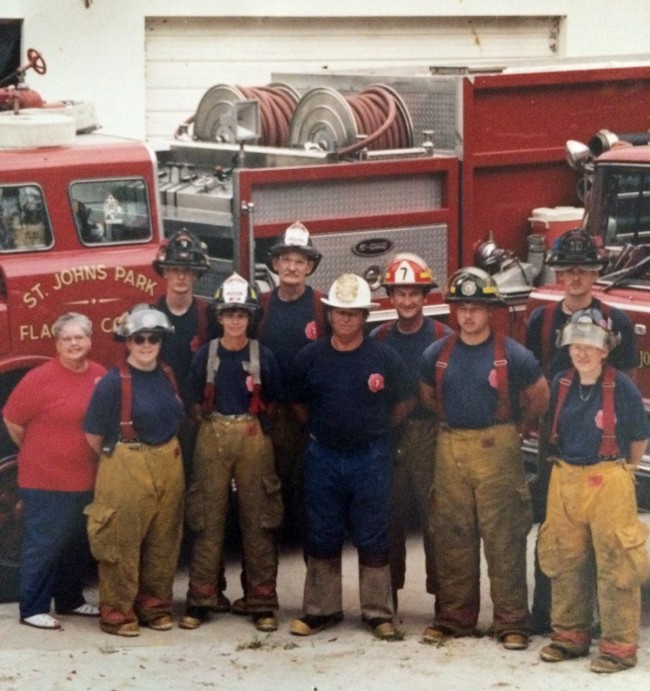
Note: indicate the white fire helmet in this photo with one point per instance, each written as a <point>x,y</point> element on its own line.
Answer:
<point>236,292</point>
<point>350,291</point>
<point>141,317</point>
<point>589,327</point>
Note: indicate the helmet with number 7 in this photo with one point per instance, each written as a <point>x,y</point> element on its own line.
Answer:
<point>473,285</point>
<point>407,269</point>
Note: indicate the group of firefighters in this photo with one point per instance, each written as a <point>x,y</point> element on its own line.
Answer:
<point>292,410</point>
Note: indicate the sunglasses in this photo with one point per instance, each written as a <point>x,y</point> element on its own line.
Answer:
<point>154,339</point>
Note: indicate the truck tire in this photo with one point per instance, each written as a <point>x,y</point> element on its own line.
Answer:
<point>11,529</point>
<point>11,507</point>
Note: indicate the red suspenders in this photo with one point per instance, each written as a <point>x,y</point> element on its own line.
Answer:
<point>127,431</point>
<point>608,446</point>
<point>503,412</point>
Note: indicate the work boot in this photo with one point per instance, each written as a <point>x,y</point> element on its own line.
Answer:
<point>384,629</point>
<point>514,641</point>
<point>193,617</point>
<point>240,607</point>
<point>266,622</point>
<point>128,629</point>
<point>161,623</point>
<point>560,652</point>
<point>609,664</point>
<point>313,623</point>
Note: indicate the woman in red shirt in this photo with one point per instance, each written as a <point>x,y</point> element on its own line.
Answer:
<point>56,474</point>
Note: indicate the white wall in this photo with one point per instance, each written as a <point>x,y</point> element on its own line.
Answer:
<point>97,54</point>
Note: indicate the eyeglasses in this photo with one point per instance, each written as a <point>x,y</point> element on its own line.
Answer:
<point>154,339</point>
<point>72,339</point>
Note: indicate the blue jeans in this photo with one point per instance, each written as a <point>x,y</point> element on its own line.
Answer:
<point>55,550</point>
<point>348,490</point>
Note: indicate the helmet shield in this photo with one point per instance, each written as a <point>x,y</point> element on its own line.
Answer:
<point>350,291</point>
<point>473,285</point>
<point>182,250</point>
<point>294,239</point>
<point>236,293</point>
<point>575,248</point>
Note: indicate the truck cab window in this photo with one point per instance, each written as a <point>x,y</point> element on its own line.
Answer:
<point>24,223</point>
<point>626,212</point>
<point>111,211</point>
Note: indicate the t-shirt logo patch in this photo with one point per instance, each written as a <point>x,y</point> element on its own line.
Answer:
<point>600,419</point>
<point>311,331</point>
<point>375,382</point>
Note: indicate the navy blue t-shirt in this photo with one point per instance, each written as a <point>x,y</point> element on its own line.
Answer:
<point>623,357</point>
<point>155,409</point>
<point>231,383</point>
<point>350,394</point>
<point>178,348</point>
<point>287,327</point>
<point>410,347</point>
<point>469,392</point>
<point>580,423</point>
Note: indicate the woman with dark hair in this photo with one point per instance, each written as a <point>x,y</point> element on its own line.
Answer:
<point>136,519</point>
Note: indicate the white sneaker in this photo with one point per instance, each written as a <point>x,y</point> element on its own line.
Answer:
<point>41,621</point>
<point>85,610</point>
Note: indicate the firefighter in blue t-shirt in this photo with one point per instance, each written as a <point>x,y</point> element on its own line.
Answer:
<point>349,390</point>
<point>598,435</point>
<point>576,261</point>
<point>292,317</point>
<point>407,281</point>
<point>233,383</point>
<point>482,386</point>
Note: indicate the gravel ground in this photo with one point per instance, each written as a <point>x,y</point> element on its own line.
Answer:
<point>227,653</point>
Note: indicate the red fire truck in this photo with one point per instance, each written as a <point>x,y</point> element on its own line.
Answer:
<point>617,186</point>
<point>79,228</point>
<point>435,161</point>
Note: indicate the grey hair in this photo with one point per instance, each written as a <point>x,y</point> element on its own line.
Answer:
<point>72,318</point>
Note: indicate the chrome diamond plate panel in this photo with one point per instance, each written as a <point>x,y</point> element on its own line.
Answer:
<point>430,242</point>
<point>346,198</point>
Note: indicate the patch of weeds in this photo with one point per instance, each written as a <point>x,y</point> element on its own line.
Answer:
<point>266,643</point>
<point>255,643</point>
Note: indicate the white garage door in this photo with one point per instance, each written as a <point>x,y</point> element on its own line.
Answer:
<point>186,56</point>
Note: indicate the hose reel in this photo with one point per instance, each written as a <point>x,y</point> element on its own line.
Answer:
<point>376,118</point>
<point>277,102</point>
